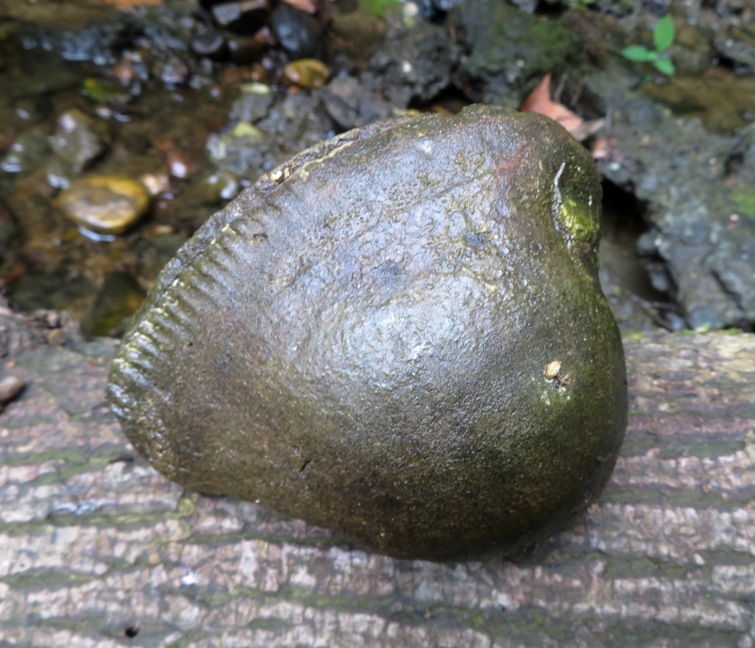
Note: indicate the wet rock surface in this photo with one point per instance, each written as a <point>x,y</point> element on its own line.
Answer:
<point>79,139</point>
<point>26,152</point>
<point>350,104</point>
<point>689,179</point>
<point>505,51</point>
<point>414,63</point>
<point>397,358</point>
<point>104,204</point>
<point>298,33</point>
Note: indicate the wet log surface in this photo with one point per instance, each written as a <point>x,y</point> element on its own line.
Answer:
<point>99,550</point>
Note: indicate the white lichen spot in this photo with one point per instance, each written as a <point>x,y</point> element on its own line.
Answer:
<point>425,146</point>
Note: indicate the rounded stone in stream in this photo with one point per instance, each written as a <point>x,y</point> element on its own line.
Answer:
<point>297,32</point>
<point>241,16</point>
<point>210,43</point>
<point>306,73</point>
<point>26,152</point>
<point>399,335</point>
<point>79,139</point>
<point>106,204</point>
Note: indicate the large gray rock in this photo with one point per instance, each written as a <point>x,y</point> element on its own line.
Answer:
<point>700,205</point>
<point>504,52</point>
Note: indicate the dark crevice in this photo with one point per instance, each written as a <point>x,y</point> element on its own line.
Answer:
<point>643,279</point>
<point>450,99</point>
<point>623,225</point>
<point>127,458</point>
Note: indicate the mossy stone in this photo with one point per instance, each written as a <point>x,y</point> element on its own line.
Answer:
<point>399,335</point>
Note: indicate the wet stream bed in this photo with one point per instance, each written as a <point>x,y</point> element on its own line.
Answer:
<point>121,134</point>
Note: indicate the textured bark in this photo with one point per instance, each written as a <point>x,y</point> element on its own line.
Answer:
<point>96,549</point>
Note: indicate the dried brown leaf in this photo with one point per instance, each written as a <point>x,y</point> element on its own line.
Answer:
<point>539,101</point>
<point>308,6</point>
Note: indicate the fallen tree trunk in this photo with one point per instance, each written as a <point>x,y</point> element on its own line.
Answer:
<point>96,549</point>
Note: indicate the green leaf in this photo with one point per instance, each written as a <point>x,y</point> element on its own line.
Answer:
<point>665,66</point>
<point>664,32</point>
<point>639,53</point>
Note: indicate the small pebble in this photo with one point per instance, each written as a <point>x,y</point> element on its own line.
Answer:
<point>26,152</point>
<point>350,104</point>
<point>306,73</point>
<point>253,104</point>
<point>218,186</point>
<point>242,17</point>
<point>79,139</point>
<point>10,387</point>
<point>109,91</point>
<point>173,72</point>
<point>211,44</point>
<point>105,204</point>
<point>298,33</point>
